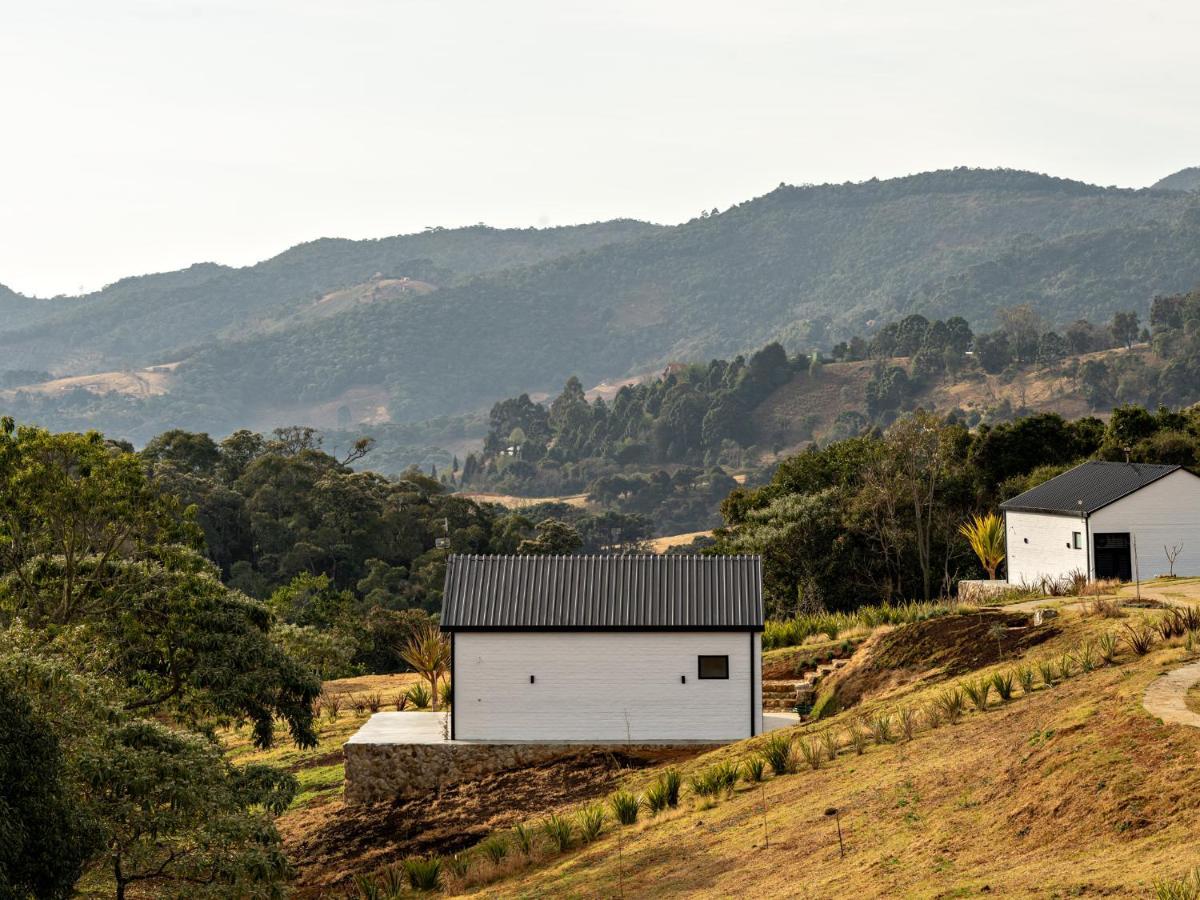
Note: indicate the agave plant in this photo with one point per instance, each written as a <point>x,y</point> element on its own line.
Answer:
<point>655,799</point>
<point>1047,671</point>
<point>978,691</point>
<point>423,872</point>
<point>1107,645</point>
<point>559,832</point>
<point>672,781</point>
<point>1025,677</point>
<point>591,821</point>
<point>953,703</point>
<point>494,848</point>
<point>419,697</point>
<point>523,838</point>
<point>1139,638</point>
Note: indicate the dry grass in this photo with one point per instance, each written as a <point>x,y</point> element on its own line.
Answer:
<point>1068,791</point>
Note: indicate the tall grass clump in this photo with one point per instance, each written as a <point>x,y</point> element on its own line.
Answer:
<point>881,728</point>
<point>978,691</point>
<point>419,696</point>
<point>829,740</point>
<point>655,799</point>
<point>523,839</point>
<point>673,782</point>
<point>624,807</point>
<point>1047,671</point>
<point>811,750</point>
<point>952,703</point>
<point>1085,655</point>
<point>387,884</point>
<point>559,832</point>
<point>1139,638</point>
<point>495,848</point>
<point>1066,665</point>
<point>754,769</point>
<point>1185,888</point>
<point>1003,683</point>
<point>1107,645</point>
<point>933,715</point>
<point>793,631</point>
<point>779,754</point>
<point>858,739</point>
<point>374,702</point>
<point>1025,676</point>
<point>423,872</point>
<point>908,722</point>
<point>590,822</point>
<point>331,705</point>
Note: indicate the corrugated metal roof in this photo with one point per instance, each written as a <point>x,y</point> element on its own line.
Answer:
<point>1087,488</point>
<point>676,592</point>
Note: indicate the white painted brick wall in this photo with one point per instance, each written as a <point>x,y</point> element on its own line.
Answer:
<point>1039,547</point>
<point>603,686</point>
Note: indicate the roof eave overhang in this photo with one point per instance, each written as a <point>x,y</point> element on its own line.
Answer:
<point>611,629</point>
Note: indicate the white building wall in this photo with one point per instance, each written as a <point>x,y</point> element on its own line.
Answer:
<point>1164,513</point>
<point>1040,547</point>
<point>604,686</point>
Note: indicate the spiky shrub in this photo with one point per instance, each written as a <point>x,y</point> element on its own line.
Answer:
<point>590,821</point>
<point>401,701</point>
<point>523,839</point>
<point>1172,624</point>
<point>419,697</point>
<point>332,705</point>
<point>978,691</point>
<point>655,799</point>
<point>494,848</point>
<point>810,749</point>
<point>446,692</point>
<point>953,703</point>
<point>829,740</point>
<point>858,739</point>
<point>1185,888</point>
<point>1189,641</point>
<point>779,753</point>
<point>457,865</point>
<point>881,728</point>
<point>1106,607</point>
<point>1191,618</point>
<point>1025,676</point>
<point>1003,683</point>
<point>373,702</point>
<point>1139,638</point>
<point>1086,656</point>
<point>1066,666</point>
<point>724,775</point>
<point>1047,671</point>
<point>358,704</point>
<point>908,722</point>
<point>673,781</point>
<point>1107,648</point>
<point>624,806</point>
<point>933,715</point>
<point>559,832</point>
<point>423,872</point>
<point>754,769</point>
<point>386,884</point>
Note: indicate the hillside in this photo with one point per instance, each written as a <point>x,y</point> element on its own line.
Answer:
<point>1070,789</point>
<point>1184,180</point>
<point>520,311</point>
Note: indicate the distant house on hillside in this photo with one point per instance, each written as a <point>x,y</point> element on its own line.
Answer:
<point>1101,517</point>
<point>605,648</point>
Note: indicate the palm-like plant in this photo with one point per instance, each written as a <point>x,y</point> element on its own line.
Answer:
<point>985,534</point>
<point>428,652</point>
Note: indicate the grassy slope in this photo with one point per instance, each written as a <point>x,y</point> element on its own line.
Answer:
<point>1072,791</point>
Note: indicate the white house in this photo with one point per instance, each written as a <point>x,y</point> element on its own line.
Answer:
<point>605,649</point>
<point>1105,519</point>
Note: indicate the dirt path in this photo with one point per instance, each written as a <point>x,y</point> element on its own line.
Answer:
<point>1165,697</point>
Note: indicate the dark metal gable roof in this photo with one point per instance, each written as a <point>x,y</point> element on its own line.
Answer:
<point>615,593</point>
<point>1087,487</point>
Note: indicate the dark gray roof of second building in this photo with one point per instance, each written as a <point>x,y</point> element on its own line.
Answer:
<point>1087,488</point>
<point>603,593</point>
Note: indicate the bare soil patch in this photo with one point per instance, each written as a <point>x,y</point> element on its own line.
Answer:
<point>331,842</point>
<point>945,646</point>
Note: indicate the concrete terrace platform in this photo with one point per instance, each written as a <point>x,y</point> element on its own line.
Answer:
<point>400,755</point>
<point>431,727</point>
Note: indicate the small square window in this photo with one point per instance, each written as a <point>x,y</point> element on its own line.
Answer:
<point>714,667</point>
<point>1077,540</point>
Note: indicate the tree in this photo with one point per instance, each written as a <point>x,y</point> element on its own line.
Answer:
<point>1023,325</point>
<point>1051,349</point>
<point>985,534</point>
<point>428,652</point>
<point>1125,328</point>
<point>46,836</point>
<point>553,538</point>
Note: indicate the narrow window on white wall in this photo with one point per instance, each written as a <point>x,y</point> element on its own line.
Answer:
<point>1077,540</point>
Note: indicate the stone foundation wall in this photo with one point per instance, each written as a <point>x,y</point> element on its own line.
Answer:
<point>377,772</point>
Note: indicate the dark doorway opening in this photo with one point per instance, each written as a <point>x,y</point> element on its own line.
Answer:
<point>1112,556</point>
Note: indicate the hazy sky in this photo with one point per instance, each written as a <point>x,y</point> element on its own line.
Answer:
<point>144,135</point>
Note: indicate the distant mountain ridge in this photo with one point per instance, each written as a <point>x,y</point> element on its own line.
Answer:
<point>520,311</point>
<point>1183,180</point>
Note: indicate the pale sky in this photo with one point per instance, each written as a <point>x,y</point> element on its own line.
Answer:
<point>145,135</point>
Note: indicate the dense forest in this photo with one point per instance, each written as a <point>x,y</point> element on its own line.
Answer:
<point>809,266</point>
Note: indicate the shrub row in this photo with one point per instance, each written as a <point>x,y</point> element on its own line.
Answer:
<point>793,631</point>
